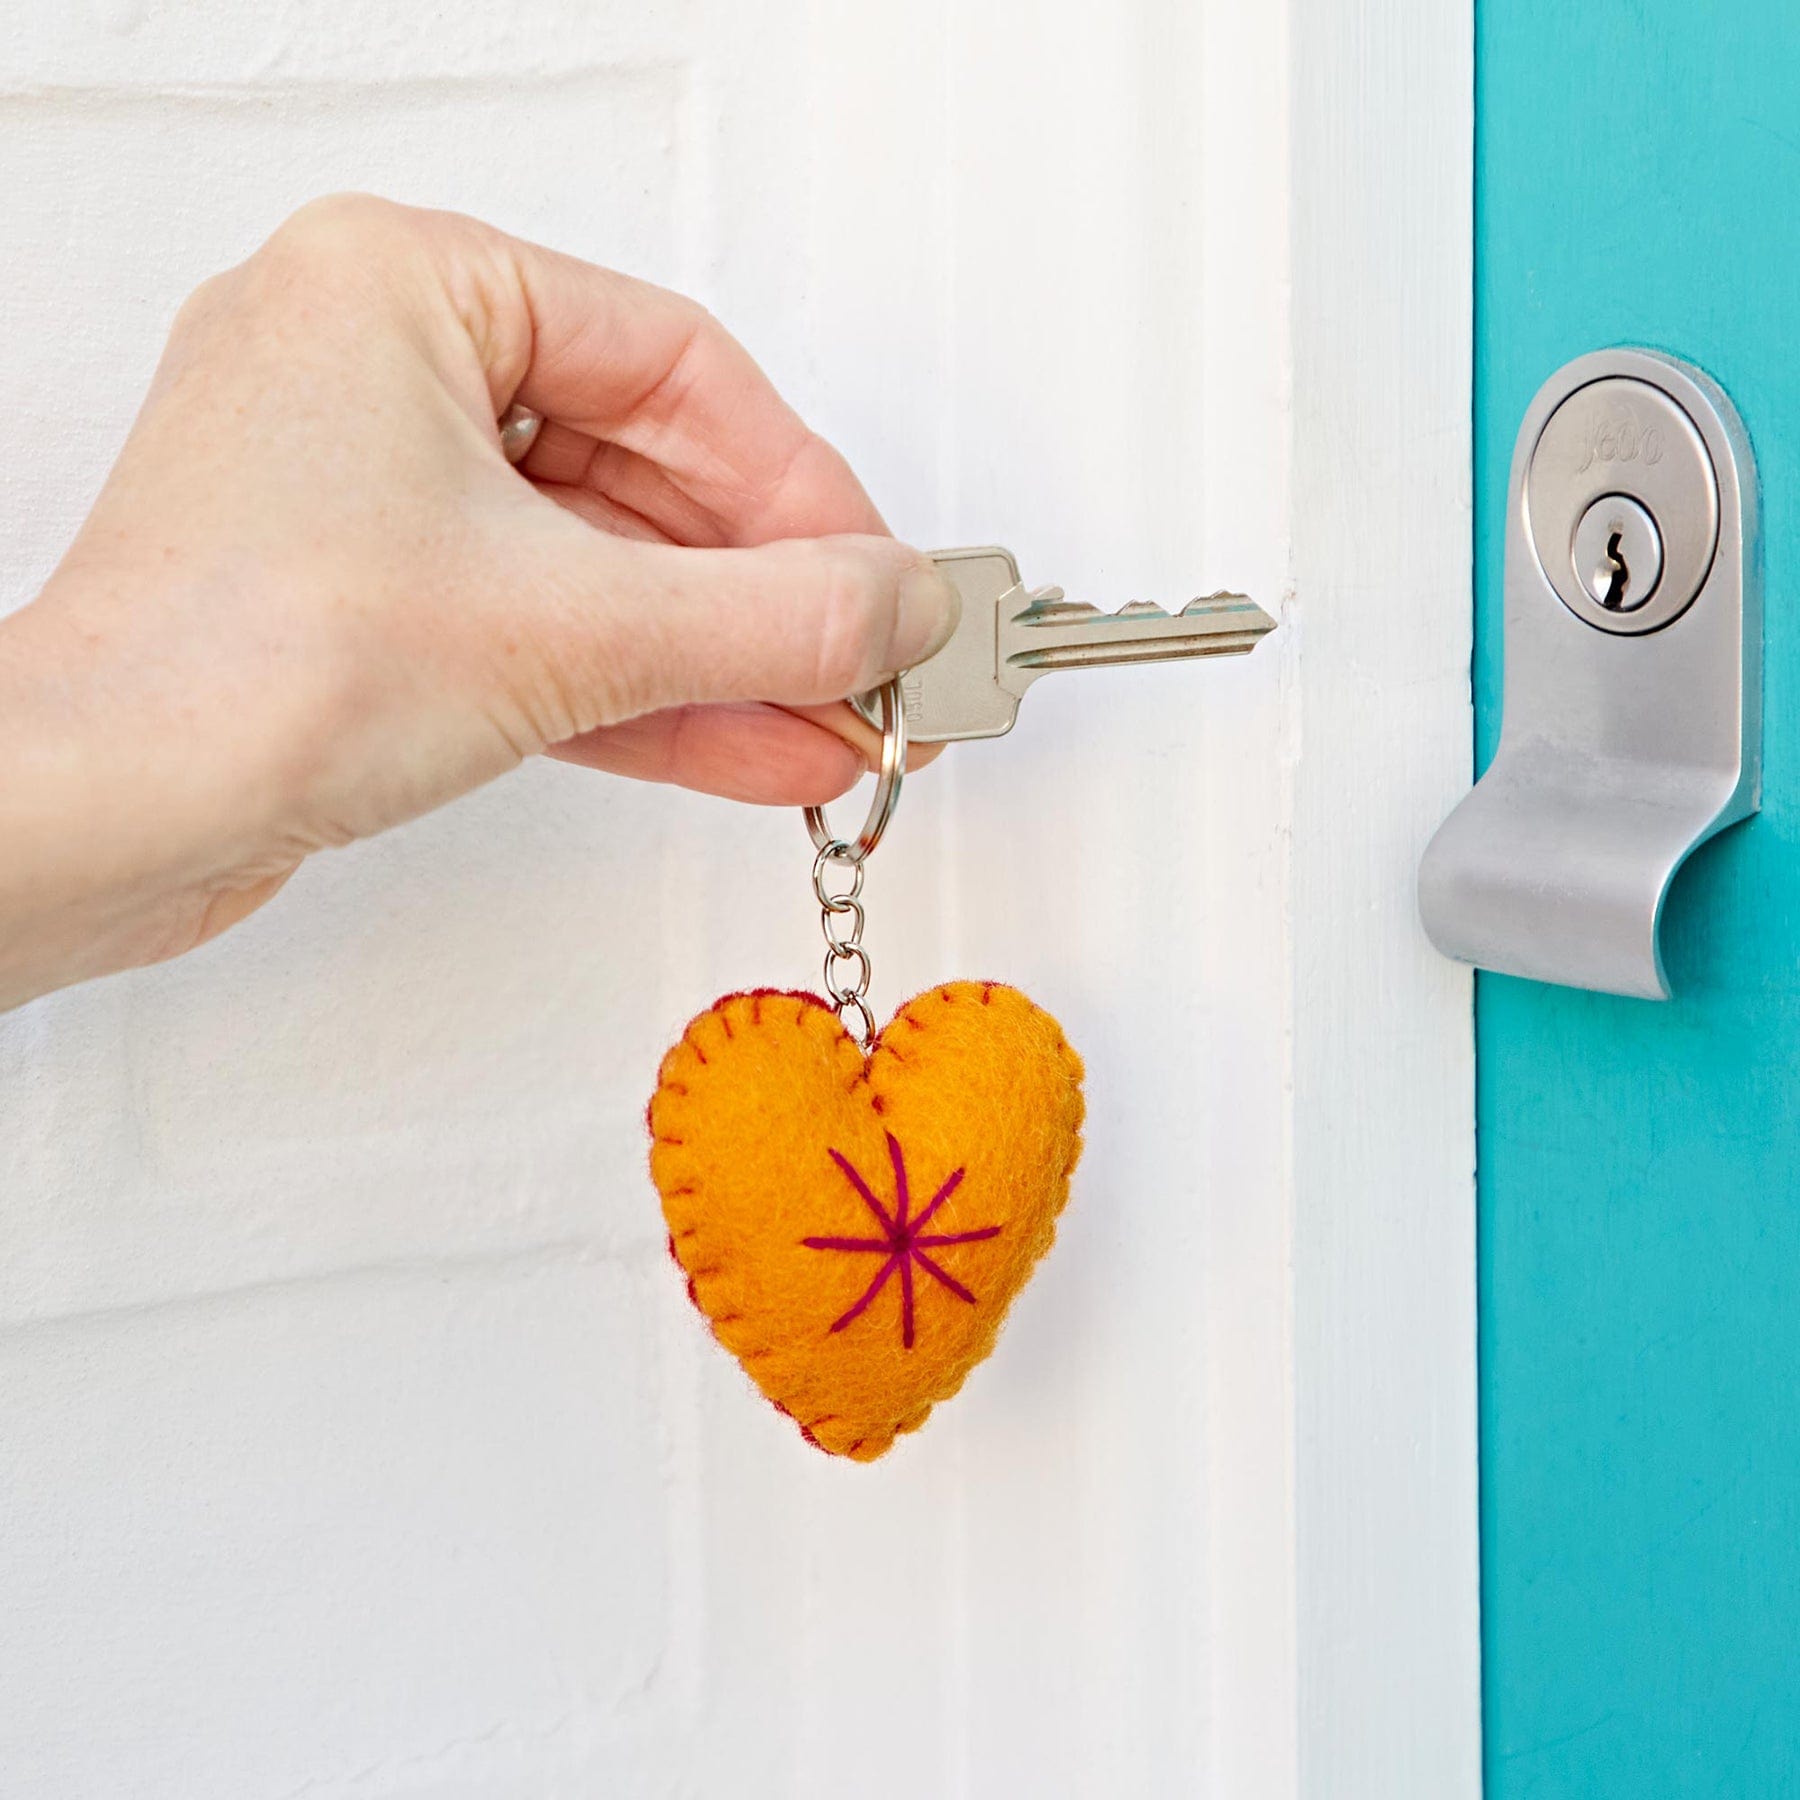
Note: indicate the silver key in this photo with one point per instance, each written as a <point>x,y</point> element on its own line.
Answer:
<point>1009,637</point>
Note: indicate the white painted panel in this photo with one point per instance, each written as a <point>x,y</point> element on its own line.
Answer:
<point>355,1437</point>
<point>330,1532</point>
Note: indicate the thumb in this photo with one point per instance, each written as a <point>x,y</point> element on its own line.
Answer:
<point>644,626</point>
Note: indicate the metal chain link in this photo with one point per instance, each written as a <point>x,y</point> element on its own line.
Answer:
<point>844,950</point>
<point>842,947</point>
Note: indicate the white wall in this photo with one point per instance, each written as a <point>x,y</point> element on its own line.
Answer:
<point>356,1439</point>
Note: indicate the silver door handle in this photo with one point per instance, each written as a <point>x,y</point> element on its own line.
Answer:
<point>1632,720</point>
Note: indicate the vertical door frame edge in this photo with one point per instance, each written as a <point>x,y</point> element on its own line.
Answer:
<point>1381,1071</point>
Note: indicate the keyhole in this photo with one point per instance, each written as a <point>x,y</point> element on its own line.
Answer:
<point>1615,574</point>
<point>1616,559</point>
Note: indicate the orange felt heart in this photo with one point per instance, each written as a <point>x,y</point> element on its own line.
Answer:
<point>855,1228</point>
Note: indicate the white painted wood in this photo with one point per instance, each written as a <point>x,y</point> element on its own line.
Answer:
<point>358,1439</point>
<point>1381,1060</point>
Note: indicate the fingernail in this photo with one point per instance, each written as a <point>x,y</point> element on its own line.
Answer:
<point>929,610</point>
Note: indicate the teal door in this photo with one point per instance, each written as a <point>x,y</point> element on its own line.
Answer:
<point>1637,165</point>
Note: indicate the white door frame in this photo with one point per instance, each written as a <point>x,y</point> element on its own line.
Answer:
<point>1384,1339</point>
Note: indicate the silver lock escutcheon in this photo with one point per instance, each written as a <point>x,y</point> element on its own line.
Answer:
<point>1632,726</point>
<point>1619,458</point>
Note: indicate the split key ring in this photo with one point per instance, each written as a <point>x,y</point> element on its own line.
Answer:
<point>887,786</point>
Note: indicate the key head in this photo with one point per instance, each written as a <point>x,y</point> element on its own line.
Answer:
<point>957,693</point>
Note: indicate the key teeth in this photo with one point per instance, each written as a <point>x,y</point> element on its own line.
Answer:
<point>1211,602</point>
<point>1043,611</point>
<point>1048,607</point>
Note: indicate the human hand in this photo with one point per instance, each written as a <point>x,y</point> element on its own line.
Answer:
<point>313,599</point>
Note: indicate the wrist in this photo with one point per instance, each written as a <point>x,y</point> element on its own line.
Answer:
<point>99,872</point>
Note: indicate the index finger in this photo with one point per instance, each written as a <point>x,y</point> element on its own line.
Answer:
<point>628,363</point>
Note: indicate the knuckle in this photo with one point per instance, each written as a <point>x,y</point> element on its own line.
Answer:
<point>341,245</point>
<point>330,245</point>
<point>356,257</point>
<point>207,303</point>
<point>699,339</point>
<point>701,321</point>
<point>336,222</point>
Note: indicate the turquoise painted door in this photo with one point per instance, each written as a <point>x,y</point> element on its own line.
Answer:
<point>1637,165</point>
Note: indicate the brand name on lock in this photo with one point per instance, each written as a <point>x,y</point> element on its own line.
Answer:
<point>1620,440</point>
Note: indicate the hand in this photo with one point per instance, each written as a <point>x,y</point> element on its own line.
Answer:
<point>314,600</point>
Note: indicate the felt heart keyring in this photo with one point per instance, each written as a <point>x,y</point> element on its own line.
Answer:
<point>856,1210</point>
<point>855,1226</point>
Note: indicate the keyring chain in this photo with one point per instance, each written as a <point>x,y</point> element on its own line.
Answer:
<point>848,996</point>
<point>844,946</point>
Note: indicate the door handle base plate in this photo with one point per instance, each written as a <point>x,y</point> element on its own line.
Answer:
<point>1631,733</point>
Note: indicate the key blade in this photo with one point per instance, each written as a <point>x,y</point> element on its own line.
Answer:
<point>1061,634</point>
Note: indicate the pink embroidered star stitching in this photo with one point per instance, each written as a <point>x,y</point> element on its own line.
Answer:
<point>904,1241</point>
